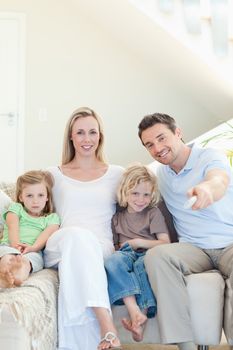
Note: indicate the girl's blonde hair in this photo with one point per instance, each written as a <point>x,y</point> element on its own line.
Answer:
<point>36,177</point>
<point>134,175</point>
<point>68,151</point>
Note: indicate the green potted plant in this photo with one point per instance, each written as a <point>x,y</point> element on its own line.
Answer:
<point>220,137</point>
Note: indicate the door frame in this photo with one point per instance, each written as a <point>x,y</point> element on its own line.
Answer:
<point>20,18</point>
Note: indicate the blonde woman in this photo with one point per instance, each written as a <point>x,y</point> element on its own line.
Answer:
<point>137,228</point>
<point>85,198</point>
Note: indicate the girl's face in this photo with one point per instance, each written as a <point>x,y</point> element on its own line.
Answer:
<point>85,136</point>
<point>139,197</point>
<point>34,198</point>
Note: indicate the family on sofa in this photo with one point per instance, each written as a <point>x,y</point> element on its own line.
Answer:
<point>84,195</point>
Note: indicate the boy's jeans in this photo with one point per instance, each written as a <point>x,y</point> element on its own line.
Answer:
<point>127,276</point>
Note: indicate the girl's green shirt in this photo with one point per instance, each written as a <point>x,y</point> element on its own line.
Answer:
<point>29,227</point>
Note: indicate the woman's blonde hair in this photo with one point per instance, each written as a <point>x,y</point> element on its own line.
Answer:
<point>68,152</point>
<point>36,177</point>
<point>133,176</point>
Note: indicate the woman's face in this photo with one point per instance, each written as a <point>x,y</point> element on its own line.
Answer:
<point>85,136</point>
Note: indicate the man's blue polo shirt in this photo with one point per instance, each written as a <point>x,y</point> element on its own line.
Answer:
<point>207,228</point>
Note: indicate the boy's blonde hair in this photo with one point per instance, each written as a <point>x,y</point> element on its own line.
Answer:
<point>68,151</point>
<point>134,175</point>
<point>36,177</point>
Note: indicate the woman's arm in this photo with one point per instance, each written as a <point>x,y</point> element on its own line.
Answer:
<point>41,240</point>
<point>12,222</point>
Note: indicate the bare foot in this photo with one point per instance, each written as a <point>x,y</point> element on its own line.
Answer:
<point>110,341</point>
<point>15,268</point>
<point>136,326</point>
<point>6,279</point>
<point>6,275</point>
<point>21,269</point>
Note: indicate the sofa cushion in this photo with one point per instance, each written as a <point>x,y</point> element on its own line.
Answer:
<point>8,188</point>
<point>7,194</point>
<point>169,221</point>
<point>4,203</point>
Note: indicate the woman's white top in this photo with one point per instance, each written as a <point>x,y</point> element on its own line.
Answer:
<point>87,204</point>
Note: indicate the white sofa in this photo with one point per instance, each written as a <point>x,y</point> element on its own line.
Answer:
<point>228,313</point>
<point>28,319</point>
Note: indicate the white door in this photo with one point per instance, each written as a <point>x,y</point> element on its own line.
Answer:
<point>12,73</point>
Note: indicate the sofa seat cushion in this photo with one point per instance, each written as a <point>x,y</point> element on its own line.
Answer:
<point>206,294</point>
<point>33,306</point>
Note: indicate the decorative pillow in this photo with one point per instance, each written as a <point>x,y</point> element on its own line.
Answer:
<point>5,200</point>
<point>8,188</point>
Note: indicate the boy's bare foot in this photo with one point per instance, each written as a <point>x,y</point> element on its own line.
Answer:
<point>136,326</point>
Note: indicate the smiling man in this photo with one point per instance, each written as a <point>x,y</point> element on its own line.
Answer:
<point>205,230</point>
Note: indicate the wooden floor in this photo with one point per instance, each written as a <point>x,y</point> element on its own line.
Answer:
<point>166,347</point>
<point>223,346</point>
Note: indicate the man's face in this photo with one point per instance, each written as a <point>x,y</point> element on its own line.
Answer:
<point>163,145</point>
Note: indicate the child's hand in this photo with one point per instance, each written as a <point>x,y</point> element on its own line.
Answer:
<point>136,243</point>
<point>26,248</point>
<point>16,246</point>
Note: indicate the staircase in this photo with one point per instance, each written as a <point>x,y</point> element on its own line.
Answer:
<point>204,26</point>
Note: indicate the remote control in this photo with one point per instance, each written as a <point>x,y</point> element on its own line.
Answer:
<point>189,203</point>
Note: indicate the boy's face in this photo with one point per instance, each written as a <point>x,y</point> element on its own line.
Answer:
<point>163,145</point>
<point>140,197</point>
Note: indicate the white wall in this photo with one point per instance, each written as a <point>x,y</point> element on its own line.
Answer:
<point>72,62</point>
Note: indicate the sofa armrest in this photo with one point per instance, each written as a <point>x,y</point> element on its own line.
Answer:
<point>12,334</point>
<point>228,312</point>
<point>206,293</point>
<point>31,308</point>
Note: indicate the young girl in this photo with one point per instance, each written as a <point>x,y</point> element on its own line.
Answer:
<point>138,227</point>
<point>29,222</point>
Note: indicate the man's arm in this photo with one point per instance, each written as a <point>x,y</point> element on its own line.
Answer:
<point>211,189</point>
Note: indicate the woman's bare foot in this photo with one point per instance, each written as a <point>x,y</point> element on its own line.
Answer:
<point>136,326</point>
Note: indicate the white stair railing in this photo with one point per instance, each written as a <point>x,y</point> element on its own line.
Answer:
<point>205,26</point>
